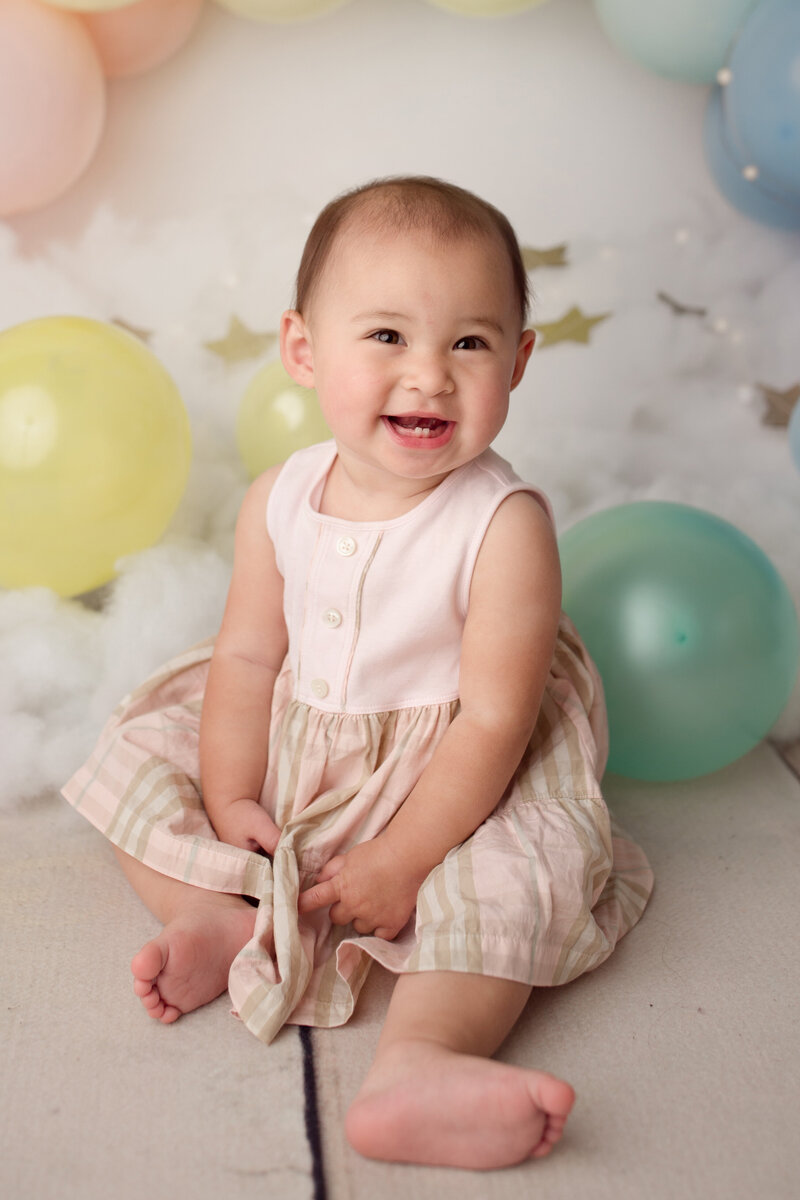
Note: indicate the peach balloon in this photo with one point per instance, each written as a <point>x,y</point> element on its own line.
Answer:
<point>52,103</point>
<point>89,5</point>
<point>133,40</point>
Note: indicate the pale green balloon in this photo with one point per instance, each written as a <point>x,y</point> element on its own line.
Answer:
<point>681,39</point>
<point>485,8</point>
<point>280,11</point>
<point>693,631</point>
<point>276,417</point>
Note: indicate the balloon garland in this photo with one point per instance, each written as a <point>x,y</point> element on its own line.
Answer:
<point>751,134</point>
<point>694,631</point>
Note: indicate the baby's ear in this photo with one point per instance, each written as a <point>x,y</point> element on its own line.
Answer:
<point>524,350</point>
<point>296,354</point>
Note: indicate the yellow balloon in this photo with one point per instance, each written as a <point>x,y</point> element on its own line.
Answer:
<point>485,8</point>
<point>89,5</point>
<point>95,450</point>
<point>276,417</point>
<point>280,11</point>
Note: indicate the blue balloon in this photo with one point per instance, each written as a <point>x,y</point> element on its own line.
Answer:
<point>794,434</point>
<point>762,100</point>
<point>757,198</point>
<point>692,629</point>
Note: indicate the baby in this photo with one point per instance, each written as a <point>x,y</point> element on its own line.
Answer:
<point>392,749</point>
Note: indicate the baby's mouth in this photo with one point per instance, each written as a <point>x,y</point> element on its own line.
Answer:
<point>421,427</point>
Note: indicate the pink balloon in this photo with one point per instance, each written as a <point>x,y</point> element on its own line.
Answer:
<point>132,40</point>
<point>52,103</point>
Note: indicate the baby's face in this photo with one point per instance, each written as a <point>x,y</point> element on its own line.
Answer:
<point>414,347</point>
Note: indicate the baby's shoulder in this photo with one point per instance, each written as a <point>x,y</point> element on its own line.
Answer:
<point>521,522</point>
<point>256,498</point>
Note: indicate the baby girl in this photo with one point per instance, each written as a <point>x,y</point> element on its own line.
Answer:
<point>392,750</point>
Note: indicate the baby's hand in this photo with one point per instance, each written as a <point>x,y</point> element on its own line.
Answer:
<point>365,886</point>
<point>246,824</point>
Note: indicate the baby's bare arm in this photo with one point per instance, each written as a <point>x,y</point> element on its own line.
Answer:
<point>507,651</point>
<point>247,656</point>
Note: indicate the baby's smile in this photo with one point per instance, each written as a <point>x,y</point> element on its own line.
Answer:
<point>414,427</point>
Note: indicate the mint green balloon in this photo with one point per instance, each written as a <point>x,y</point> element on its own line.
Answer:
<point>682,39</point>
<point>692,629</point>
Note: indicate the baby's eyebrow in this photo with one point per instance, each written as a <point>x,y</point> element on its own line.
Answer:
<point>486,322</point>
<point>381,316</point>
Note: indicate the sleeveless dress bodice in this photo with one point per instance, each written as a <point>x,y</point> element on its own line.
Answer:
<point>375,611</point>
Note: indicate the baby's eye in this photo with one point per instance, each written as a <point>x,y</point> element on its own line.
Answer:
<point>390,337</point>
<point>470,343</point>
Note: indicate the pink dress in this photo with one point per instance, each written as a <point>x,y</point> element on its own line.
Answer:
<point>540,893</point>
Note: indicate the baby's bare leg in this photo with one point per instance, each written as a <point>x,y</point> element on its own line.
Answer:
<point>434,1096</point>
<point>187,964</point>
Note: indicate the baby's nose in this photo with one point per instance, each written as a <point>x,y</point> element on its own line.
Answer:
<point>428,373</point>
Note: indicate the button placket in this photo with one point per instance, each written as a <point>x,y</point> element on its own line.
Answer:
<point>330,607</point>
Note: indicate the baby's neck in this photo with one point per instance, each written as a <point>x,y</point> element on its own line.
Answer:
<point>353,494</point>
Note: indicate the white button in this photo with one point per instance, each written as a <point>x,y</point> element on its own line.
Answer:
<point>332,618</point>
<point>320,688</point>
<point>346,546</point>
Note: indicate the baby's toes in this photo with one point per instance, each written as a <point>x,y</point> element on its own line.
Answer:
<point>149,995</point>
<point>170,1014</point>
<point>552,1133</point>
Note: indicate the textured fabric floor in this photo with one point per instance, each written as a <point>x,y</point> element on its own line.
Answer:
<point>683,1048</point>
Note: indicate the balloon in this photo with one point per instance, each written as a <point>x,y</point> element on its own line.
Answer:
<point>141,36</point>
<point>762,100</point>
<point>794,434</point>
<point>52,104</point>
<point>485,8</point>
<point>276,417</point>
<point>89,5</point>
<point>682,39</point>
<point>94,452</point>
<point>280,11</point>
<point>693,631</point>
<point>755,196</point>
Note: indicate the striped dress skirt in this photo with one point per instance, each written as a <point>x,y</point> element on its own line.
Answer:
<point>540,893</point>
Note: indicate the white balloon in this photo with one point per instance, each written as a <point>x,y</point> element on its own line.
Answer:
<point>485,8</point>
<point>280,11</point>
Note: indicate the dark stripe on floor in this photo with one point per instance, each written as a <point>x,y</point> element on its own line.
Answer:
<point>313,1132</point>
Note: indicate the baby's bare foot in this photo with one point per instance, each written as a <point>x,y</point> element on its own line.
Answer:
<point>187,964</point>
<point>424,1103</point>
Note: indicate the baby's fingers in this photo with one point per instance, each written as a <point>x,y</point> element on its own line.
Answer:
<point>318,896</point>
<point>265,831</point>
<point>332,867</point>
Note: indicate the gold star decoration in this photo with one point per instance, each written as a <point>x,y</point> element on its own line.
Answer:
<point>556,256</point>
<point>143,335</point>
<point>681,310</point>
<point>241,343</point>
<point>574,326</point>
<point>779,404</point>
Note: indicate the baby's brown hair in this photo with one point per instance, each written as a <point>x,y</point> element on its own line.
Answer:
<point>403,203</point>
